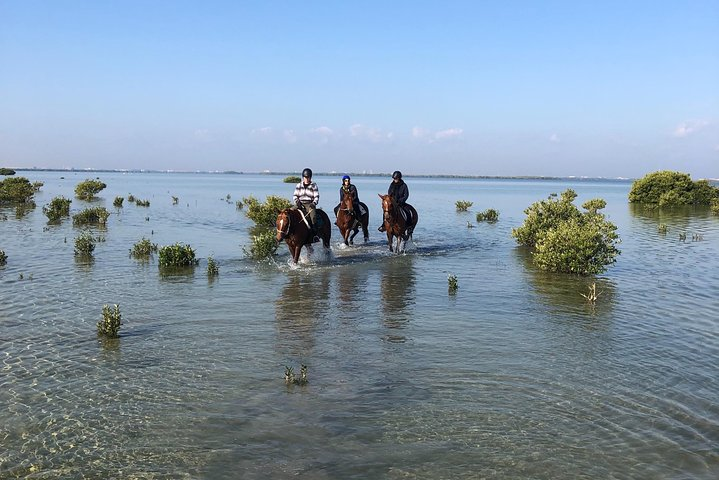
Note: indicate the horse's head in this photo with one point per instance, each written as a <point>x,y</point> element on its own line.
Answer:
<point>283,224</point>
<point>347,204</point>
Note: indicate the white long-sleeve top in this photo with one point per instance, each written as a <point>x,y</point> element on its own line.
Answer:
<point>306,193</point>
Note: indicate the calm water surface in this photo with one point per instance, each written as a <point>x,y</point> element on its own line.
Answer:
<point>515,376</point>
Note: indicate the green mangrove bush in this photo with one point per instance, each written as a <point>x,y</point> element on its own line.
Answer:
<point>87,189</point>
<point>463,205</point>
<point>668,188</point>
<point>714,206</point>
<point>91,216</point>
<point>565,239</point>
<point>84,244</point>
<point>452,283</point>
<point>212,269</point>
<point>265,214</point>
<point>264,245</point>
<point>117,203</point>
<point>292,179</point>
<point>142,203</point>
<point>57,208</point>
<point>7,171</point>
<point>109,326</point>
<point>490,215</point>
<point>177,255</point>
<point>143,248</point>
<point>16,190</point>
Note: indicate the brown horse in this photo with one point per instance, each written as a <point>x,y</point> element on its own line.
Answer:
<point>292,228</point>
<point>349,220</point>
<point>395,223</point>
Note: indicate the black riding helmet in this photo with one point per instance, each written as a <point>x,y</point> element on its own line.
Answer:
<point>397,174</point>
<point>307,173</point>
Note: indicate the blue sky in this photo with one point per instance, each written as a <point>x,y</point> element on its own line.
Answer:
<point>553,88</point>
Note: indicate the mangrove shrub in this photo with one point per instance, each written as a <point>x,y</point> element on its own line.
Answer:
<point>463,205</point>
<point>265,214</point>
<point>94,215</point>
<point>668,188</point>
<point>87,189</point>
<point>177,255</point>
<point>16,190</point>
<point>3,257</point>
<point>7,171</point>
<point>109,326</point>
<point>57,208</point>
<point>565,239</point>
<point>84,244</point>
<point>292,179</point>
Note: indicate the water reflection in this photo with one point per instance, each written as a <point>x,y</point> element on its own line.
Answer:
<point>397,290</point>
<point>565,293</point>
<point>352,286</point>
<point>303,302</point>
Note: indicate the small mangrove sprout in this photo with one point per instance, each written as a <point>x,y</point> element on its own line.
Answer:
<point>57,208</point>
<point>117,203</point>
<point>463,205</point>
<point>452,283</point>
<point>662,229</point>
<point>84,244</point>
<point>142,203</point>
<point>291,379</point>
<point>177,255</point>
<point>490,215</point>
<point>175,200</point>
<point>592,295</point>
<point>91,216</point>
<point>87,189</point>
<point>239,205</point>
<point>109,326</point>
<point>131,198</point>
<point>143,248</point>
<point>212,269</point>
<point>3,257</point>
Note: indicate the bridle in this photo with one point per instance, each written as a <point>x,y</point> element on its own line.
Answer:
<point>284,233</point>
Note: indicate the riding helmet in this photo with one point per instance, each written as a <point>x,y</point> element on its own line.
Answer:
<point>397,174</point>
<point>346,177</point>
<point>307,173</point>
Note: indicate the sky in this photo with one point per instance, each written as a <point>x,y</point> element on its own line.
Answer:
<point>548,88</point>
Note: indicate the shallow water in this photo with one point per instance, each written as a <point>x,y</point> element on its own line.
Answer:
<point>515,376</point>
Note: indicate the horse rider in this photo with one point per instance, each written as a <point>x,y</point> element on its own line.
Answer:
<point>348,188</point>
<point>306,197</point>
<point>397,190</point>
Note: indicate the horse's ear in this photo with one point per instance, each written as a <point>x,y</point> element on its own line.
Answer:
<point>380,195</point>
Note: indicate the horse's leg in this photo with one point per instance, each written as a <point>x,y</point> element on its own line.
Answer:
<point>354,232</point>
<point>365,230</point>
<point>389,239</point>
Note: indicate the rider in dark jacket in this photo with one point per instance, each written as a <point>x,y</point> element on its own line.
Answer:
<point>348,188</point>
<point>399,190</point>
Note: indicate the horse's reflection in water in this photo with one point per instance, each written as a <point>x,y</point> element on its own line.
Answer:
<point>397,287</point>
<point>303,303</point>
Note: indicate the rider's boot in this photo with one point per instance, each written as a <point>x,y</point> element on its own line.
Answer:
<point>381,228</point>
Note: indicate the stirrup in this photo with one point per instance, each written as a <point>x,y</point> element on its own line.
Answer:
<point>381,228</point>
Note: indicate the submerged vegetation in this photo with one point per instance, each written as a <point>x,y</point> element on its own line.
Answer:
<point>16,190</point>
<point>91,216</point>
<point>3,257</point>
<point>452,283</point>
<point>666,188</point>
<point>87,189</point>
<point>490,215</point>
<point>291,379</point>
<point>143,248</point>
<point>177,255</point>
<point>84,244</point>
<point>57,208</point>
<point>463,205</point>
<point>564,239</point>
<point>109,326</point>
<point>212,269</point>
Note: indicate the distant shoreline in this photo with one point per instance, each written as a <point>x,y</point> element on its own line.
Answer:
<point>324,174</point>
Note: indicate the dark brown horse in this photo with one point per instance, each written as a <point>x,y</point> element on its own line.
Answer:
<point>293,229</point>
<point>350,221</point>
<point>395,223</point>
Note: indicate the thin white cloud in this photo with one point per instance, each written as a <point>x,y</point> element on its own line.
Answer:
<point>448,133</point>
<point>290,136</point>
<point>374,135</point>
<point>554,138</point>
<point>685,129</point>
<point>322,134</point>
<point>261,132</point>
<point>419,132</point>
